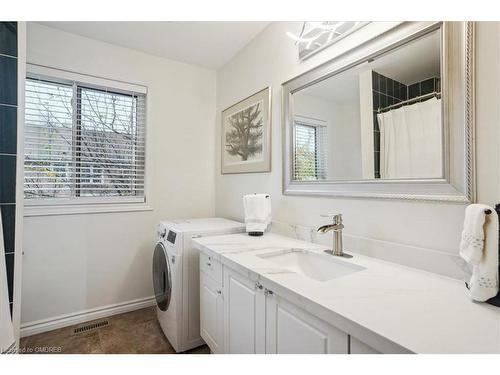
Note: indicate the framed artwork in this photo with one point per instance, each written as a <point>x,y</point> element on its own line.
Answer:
<point>246,135</point>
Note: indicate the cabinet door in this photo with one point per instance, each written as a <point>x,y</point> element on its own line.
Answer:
<point>244,308</point>
<point>359,347</point>
<point>291,330</point>
<point>211,313</point>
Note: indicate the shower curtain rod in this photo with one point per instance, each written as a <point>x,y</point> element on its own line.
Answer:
<point>421,97</point>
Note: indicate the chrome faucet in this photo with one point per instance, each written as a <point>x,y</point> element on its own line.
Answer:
<point>336,227</point>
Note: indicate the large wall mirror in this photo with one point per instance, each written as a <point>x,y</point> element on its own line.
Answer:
<point>392,118</point>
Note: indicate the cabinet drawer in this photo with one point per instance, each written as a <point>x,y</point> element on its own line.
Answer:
<point>211,267</point>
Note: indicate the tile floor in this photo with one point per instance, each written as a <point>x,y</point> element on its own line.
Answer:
<point>136,332</point>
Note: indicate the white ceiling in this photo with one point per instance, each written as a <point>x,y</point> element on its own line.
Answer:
<point>413,62</point>
<point>208,44</point>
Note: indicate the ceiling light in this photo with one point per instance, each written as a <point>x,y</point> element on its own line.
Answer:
<point>314,36</point>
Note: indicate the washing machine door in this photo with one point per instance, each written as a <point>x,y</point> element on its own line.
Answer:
<point>162,277</point>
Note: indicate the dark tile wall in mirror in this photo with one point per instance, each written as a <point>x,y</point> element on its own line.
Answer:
<point>386,92</point>
<point>8,143</point>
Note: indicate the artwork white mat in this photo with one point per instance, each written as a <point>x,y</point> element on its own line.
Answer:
<point>246,135</point>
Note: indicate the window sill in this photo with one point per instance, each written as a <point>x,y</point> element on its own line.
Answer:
<point>78,209</point>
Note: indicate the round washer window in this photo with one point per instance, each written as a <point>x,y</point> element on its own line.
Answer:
<point>162,280</point>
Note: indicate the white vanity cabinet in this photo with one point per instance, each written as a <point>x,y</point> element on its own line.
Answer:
<point>244,314</point>
<point>240,316</point>
<point>291,330</point>
<point>259,321</point>
<point>358,347</point>
<point>211,304</point>
<point>211,313</point>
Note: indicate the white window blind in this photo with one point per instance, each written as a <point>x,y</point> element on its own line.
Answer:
<point>310,161</point>
<point>83,144</point>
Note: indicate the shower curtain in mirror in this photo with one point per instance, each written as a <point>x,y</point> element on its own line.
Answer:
<point>411,141</point>
<point>7,341</point>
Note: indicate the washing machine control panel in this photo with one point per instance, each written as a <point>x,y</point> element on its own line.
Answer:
<point>171,236</point>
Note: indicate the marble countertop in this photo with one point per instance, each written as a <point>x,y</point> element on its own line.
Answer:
<point>386,305</point>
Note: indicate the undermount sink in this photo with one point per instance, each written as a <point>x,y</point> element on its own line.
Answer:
<point>319,267</point>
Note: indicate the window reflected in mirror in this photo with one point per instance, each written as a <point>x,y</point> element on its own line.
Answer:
<point>381,119</point>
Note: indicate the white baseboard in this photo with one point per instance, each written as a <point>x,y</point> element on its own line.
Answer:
<point>40,326</point>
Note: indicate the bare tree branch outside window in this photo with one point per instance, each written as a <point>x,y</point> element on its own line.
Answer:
<point>92,147</point>
<point>305,153</point>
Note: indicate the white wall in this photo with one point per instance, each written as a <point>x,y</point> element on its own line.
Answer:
<point>346,139</point>
<point>420,234</point>
<point>319,109</point>
<point>343,133</point>
<point>367,143</point>
<point>79,262</point>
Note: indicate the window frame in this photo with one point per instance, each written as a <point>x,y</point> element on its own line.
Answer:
<point>79,205</point>
<point>319,141</point>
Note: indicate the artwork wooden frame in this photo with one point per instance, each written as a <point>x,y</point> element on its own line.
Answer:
<point>246,135</point>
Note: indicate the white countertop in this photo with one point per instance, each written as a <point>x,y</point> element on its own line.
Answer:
<point>418,311</point>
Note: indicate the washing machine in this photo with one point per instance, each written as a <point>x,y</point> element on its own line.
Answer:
<point>176,276</point>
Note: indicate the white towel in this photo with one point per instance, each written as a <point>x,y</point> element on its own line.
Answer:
<point>257,212</point>
<point>7,341</point>
<point>472,244</point>
<point>479,248</point>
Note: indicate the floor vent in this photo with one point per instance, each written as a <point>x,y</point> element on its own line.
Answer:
<point>91,326</point>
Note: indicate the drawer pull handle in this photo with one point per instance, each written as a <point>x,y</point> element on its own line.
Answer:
<point>209,264</point>
<point>258,286</point>
<point>219,291</point>
<point>268,292</point>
